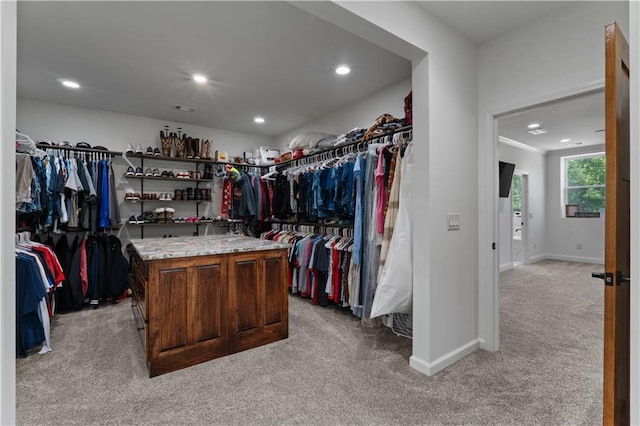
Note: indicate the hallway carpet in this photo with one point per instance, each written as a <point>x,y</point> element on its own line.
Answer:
<point>331,370</point>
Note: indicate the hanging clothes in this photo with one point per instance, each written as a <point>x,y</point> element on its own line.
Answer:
<point>244,202</point>
<point>372,240</point>
<point>38,273</point>
<point>394,292</point>
<point>104,221</point>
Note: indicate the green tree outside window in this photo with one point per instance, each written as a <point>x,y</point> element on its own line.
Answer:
<point>516,193</point>
<point>585,182</point>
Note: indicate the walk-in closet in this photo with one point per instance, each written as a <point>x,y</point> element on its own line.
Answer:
<point>283,212</point>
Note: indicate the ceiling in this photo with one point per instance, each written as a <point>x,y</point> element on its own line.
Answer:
<point>580,119</point>
<point>268,59</point>
<point>480,21</point>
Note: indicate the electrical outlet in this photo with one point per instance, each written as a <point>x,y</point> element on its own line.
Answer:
<point>453,221</point>
<point>579,246</point>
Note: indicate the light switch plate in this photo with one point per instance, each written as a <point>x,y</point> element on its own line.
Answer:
<point>453,221</point>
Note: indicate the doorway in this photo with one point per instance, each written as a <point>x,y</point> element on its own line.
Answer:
<point>544,245</point>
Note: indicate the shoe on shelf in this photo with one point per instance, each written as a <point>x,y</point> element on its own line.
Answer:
<point>130,171</point>
<point>149,151</point>
<point>170,210</point>
<point>138,171</point>
<point>132,219</point>
<point>164,174</point>
<point>148,172</point>
<point>149,217</point>
<point>170,174</point>
<point>129,149</point>
<point>136,196</point>
<point>128,196</point>
<point>161,197</point>
<point>156,151</point>
<point>140,219</point>
<point>168,196</point>
<point>156,173</point>
<point>138,149</point>
<point>159,210</point>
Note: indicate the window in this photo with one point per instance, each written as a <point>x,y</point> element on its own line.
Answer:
<point>516,198</point>
<point>584,182</point>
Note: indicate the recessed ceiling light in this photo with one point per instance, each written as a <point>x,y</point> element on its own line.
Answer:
<point>565,140</point>
<point>259,120</point>
<point>70,84</point>
<point>537,132</point>
<point>343,70</point>
<point>199,78</point>
<point>533,125</point>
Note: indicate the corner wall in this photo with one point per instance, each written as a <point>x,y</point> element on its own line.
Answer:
<point>8,60</point>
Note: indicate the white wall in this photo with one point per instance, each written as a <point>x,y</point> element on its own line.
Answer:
<point>43,120</point>
<point>8,58</point>
<point>564,233</point>
<point>557,56</point>
<point>534,164</point>
<point>445,292</point>
<point>634,52</point>
<point>361,113</point>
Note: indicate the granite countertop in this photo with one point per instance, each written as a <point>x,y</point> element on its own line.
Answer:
<point>170,248</point>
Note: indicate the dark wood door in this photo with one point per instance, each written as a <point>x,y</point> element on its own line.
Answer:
<point>617,230</point>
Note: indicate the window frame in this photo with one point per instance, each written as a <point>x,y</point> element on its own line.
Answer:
<point>564,171</point>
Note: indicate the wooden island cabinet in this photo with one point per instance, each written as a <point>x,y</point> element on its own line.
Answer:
<point>200,298</point>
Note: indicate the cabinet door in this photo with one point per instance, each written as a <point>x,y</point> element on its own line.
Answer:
<point>207,310</point>
<point>187,311</point>
<point>257,299</point>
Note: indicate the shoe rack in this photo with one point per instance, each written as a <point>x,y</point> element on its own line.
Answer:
<point>192,180</point>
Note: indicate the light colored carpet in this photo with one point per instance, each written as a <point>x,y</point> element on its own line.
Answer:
<point>331,370</point>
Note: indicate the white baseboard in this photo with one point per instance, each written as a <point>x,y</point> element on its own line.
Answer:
<point>444,361</point>
<point>538,258</point>
<point>581,259</point>
<point>506,266</point>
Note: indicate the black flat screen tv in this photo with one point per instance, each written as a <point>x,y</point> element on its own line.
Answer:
<point>506,175</point>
